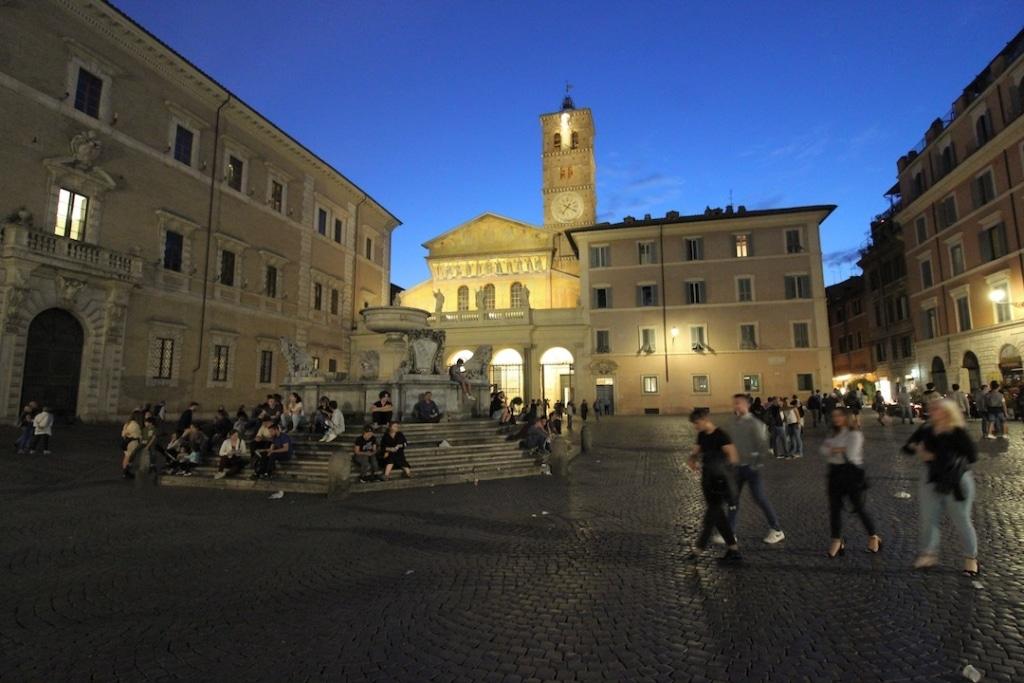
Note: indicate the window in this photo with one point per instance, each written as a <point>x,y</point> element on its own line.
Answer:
<point>743,245</point>
<point>698,337</point>
<point>463,298</point>
<point>694,248</point>
<point>696,293</point>
<point>227,268</point>
<point>270,282</point>
<point>992,242</point>
<point>368,248</point>
<point>701,384</point>
<point>840,312</point>
<point>318,296</point>
<point>556,141</point>
<point>752,384</point>
<point>602,297</point>
<point>918,183</point>
<point>321,222</point>
<point>983,129</point>
<point>338,229</point>
<point>165,358</point>
<point>647,253</point>
<point>575,138</point>
<point>748,336</point>
<point>650,384</point>
<point>926,273</point>
<point>266,367</point>
<point>921,225</point>
<point>602,341</point>
<point>236,168</point>
<point>801,335</point>
<point>332,365</point>
<point>798,286</point>
<point>906,347</point>
<point>855,305</point>
<point>744,289</point>
<point>946,212</point>
<point>947,161</point>
<point>316,362</point>
<point>880,352</point>
<point>174,245</point>
<point>647,340</point>
<point>956,258</point>
<point>902,307</point>
<point>1000,296</point>
<point>220,362</point>
<point>334,301</point>
<point>600,257</point>
<point>647,295</point>
<point>804,381</point>
<point>515,295</point>
<point>963,313</point>
<point>983,189</point>
<point>843,345</point>
<point>88,93</point>
<point>931,323</point>
<point>793,241</point>
<point>489,301</point>
<point>276,196</point>
<point>183,139</point>
<point>72,209</point>
<point>894,346</point>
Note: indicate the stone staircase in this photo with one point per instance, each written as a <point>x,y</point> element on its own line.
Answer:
<point>477,452</point>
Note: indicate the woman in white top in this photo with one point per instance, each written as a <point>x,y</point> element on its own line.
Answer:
<point>336,425</point>
<point>843,450</point>
<point>293,413</point>
<point>232,455</point>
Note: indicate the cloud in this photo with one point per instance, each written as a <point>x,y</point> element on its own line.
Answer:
<point>770,202</point>
<point>634,190</point>
<point>843,257</point>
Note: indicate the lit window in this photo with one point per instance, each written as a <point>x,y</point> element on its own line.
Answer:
<point>220,362</point>
<point>72,209</point>
<point>164,366</point>
<point>743,245</point>
<point>650,384</point>
<point>752,384</point>
<point>1000,295</point>
<point>701,384</point>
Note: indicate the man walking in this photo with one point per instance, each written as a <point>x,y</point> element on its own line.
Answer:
<point>995,402</point>
<point>814,405</point>
<point>960,398</point>
<point>750,436</point>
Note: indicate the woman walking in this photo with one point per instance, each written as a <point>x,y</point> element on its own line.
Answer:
<point>946,483</point>
<point>717,455</point>
<point>843,450</point>
<point>131,442</point>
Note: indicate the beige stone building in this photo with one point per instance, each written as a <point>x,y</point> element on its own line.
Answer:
<point>960,207</point>
<point>160,236</point>
<point>652,315</point>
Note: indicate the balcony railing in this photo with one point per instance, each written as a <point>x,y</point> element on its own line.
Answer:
<point>504,315</point>
<point>17,239</point>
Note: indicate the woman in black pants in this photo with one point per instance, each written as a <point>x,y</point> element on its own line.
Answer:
<point>717,456</point>
<point>844,452</point>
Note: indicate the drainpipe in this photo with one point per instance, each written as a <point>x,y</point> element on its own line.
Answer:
<point>209,237</point>
<point>664,309</point>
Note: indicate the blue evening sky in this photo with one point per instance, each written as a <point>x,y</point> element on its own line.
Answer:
<point>432,105</point>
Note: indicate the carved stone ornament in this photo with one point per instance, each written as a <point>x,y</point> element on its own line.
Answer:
<point>426,352</point>
<point>369,365</point>
<point>476,367</point>
<point>603,367</point>
<point>15,300</point>
<point>68,288</point>
<point>299,362</point>
<point>85,150</point>
<point>438,301</point>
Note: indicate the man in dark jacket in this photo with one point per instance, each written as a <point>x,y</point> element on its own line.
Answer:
<point>777,424</point>
<point>187,417</point>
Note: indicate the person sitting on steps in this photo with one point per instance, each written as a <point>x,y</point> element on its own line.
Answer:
<point>457,373</point>
<point>279,451</point>
<point>392,451</point>
<point>426,410</point>
<point>233,452</point>
<point>382,410</point>
<point>364,452</point>
<point>335,425</point>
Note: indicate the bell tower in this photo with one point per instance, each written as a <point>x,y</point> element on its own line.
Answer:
<point>569,173</point>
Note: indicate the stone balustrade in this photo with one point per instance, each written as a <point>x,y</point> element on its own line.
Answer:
<point>505,316</point>
<point>18,240</point>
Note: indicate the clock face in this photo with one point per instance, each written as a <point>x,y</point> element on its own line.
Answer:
<point>567,207</point>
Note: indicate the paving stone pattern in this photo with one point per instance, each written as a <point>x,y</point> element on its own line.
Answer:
<point>538,579</point>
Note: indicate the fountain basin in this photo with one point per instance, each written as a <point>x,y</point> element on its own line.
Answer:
<point>387,319</point>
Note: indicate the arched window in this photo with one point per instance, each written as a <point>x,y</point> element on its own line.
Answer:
<point>515,295</point>
<point>463,299</point>
<point>489,297</point>
<point>575,140</point>
<point>556,142</point>
<point>983,129</point>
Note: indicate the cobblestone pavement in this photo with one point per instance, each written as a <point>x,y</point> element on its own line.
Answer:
<point>583,579</point>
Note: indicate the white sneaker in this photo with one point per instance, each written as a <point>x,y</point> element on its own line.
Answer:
<point>989,436</point>
<point>220,475</point>
<point>717,539</point>
<point>329,438</point>
<point>1001,436</point>
<point>774,536</point>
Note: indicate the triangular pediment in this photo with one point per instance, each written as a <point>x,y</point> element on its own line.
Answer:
<point>489,233</point>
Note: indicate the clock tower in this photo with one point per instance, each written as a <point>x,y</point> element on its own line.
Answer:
<point>567,154</point>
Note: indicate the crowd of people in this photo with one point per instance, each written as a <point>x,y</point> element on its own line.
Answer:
<point>731,457</point>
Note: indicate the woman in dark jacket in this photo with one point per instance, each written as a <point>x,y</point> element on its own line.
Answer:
<point>392,451</point>
<point>946,483</point>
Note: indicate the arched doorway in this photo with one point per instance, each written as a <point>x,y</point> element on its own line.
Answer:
<point>1010,365</point>
<point>507,372</point>
<point>973,370</point>
<point>53,362</point>
<point>464,355</point>
<point>939,375</point>
<point>556,369</point>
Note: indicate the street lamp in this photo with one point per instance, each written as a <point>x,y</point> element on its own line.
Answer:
<point>997,295</point>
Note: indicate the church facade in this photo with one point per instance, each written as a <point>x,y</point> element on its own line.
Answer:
<point>655,315</point>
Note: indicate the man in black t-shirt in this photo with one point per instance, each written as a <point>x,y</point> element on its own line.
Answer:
<point>364,450</point>
<point>714,455</point>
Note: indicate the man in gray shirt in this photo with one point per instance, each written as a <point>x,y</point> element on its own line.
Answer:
<point>750,436</point>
